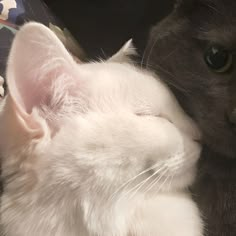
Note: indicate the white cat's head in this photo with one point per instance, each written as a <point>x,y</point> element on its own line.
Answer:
<point>104,128</point>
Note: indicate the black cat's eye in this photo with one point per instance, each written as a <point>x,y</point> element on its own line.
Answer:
<point>218,59</point>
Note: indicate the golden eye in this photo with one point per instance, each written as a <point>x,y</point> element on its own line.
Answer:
<point>218,59</point>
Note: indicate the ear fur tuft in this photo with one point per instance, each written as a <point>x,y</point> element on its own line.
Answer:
<point>125,53</point>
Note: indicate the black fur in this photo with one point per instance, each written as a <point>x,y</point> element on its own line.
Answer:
<point>176,52</point>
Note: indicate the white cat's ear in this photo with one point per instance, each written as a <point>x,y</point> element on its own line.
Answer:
<point>36,60</point>
<point>125,53</point>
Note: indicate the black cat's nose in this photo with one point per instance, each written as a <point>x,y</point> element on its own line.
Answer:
<point>232,116</point>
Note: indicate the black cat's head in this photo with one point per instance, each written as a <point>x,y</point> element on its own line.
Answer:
<point>194,52</point>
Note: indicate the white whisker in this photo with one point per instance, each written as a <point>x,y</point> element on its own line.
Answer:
<point>155,181</point>
<point>163,183</point>
<point>134,178</point>
<point>170,182</point>
<point>140,185</point>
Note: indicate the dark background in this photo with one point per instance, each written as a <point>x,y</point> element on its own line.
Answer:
<point>102,26</point>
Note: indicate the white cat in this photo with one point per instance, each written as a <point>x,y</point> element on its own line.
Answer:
<point>97,149</point>
<point>1,87</point>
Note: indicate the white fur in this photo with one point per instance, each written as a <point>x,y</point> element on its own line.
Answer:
<point>80,144</point>
<point>1,87</point>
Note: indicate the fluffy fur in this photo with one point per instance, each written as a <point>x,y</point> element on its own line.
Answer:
<point>94,149</point>
<point>1,87</point>
<point>176,52</point>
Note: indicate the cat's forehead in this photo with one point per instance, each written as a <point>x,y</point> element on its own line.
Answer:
<point>105,66</point>
<point>214,21</point>
<point>120,83</point>
<point>115,72</point>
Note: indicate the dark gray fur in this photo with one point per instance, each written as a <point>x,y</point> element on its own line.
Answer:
<point>176,52</point>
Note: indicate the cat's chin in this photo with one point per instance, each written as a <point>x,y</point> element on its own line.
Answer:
<point>184,179</point>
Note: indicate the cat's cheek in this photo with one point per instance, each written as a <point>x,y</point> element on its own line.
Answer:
<point>106,219</point>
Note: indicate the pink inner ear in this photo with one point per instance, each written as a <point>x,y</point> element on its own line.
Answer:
<point>40,92</point>
<point>37,61</point>
<point>36,89</point>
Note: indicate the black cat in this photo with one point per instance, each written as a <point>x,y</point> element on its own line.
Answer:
<point>194,51</point>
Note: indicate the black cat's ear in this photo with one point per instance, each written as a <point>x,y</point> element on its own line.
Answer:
<point>195,10</point>
<point>191,3</point>
<point>178,3</point>
<point>186,4</point>
<point>189,7</point>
